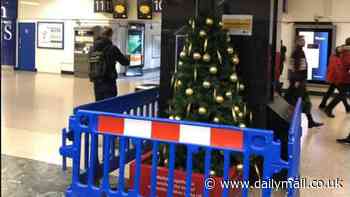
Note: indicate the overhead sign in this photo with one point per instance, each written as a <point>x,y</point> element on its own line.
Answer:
<point>144,9</point>
<point>238,24</point>
<point>8,32</point>
<point>157,5</point>
<point>120,9</point>
<point>8,9</point>
<point>51,35</point>
<point>103,6</point>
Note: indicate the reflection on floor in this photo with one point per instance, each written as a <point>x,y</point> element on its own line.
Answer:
<point>36,106</point>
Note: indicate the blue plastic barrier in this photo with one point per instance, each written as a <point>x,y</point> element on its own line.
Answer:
<point>130,122</point>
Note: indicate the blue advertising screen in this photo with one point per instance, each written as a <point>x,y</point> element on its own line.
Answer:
<point>317,50</point>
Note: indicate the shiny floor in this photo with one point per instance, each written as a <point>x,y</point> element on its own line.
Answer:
<point>36,106</point>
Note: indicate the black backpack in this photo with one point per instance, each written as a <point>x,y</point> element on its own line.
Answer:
<point>98,64</point>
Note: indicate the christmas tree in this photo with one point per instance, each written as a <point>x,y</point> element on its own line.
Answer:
<point>206,85</point>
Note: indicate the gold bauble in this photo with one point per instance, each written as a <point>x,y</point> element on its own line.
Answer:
<point>212,173</point>
<point>219,99</point>
<point>206,84</point>
<point>228,39</point>
<point>202,110</point>
<point>197,56</point>
<point>209,21</point>
<point>189,91</point>
<point>234,77</point>
<point>190,22</point>
<point>230,50</point>
<point>242,125</point>
<point>179,83</point>
<point>206,57</point>
<point>213,70</point>
<point>202,33</point>
<point>181,63</point>
<point>239,167</point>
<point>235,60</point>
<point>216,119</point>
<point>228,94</point>
<point>236,108</point>
<point>171,117</point>
<point>240,114</point>
<point>221,24</point>
<point>177,118</point>
<point>241,87</point>
<point>183,54</point>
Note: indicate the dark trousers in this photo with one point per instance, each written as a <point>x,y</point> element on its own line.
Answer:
<point>294,92</point>
<point>342,96</point>
<point>329,93</point>
<point>105,89</point>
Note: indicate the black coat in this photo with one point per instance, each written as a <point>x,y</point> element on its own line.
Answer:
<point>113,55</point>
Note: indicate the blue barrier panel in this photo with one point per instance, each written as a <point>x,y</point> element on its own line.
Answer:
<point>143,132</point>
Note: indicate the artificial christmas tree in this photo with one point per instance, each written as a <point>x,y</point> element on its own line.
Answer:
<point>207,87</point>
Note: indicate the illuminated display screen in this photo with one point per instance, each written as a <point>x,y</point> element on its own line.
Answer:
<point>135,46</point>
<point>317,50</point>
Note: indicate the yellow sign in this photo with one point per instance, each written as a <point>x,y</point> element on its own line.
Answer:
<point>119,9</point>
<point>238,24</point>
<point>145,9</point>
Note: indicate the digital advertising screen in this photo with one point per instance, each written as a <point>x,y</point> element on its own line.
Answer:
<point>317,50</point>
<point>135,45</point>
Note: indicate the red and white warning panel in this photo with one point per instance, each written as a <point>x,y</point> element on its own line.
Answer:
<point>173,132</point>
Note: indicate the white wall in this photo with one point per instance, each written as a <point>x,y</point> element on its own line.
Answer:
<point>153,30</point>
<point>73,13</point>
<point>335,11</point>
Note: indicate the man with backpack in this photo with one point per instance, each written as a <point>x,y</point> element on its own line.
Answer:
<point>102,58</point>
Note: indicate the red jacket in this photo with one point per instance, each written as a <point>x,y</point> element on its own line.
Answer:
<point>334,64</point>
<point>344,72</point>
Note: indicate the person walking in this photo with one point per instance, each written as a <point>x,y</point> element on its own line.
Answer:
<point>344,83</point>
<point>335,63</point>
<point>297,76</point>
<point>103,57</point>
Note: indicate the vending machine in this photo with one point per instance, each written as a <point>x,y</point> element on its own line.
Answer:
<point>135,49</point>
<point>83,41</point>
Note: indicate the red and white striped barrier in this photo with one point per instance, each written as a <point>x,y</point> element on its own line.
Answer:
<point>166,131</point>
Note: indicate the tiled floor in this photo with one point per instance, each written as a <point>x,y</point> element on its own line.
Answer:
<point>28,178</point>
<point>35,106</point>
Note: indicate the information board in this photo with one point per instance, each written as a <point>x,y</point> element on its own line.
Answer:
<point>51,35</point>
